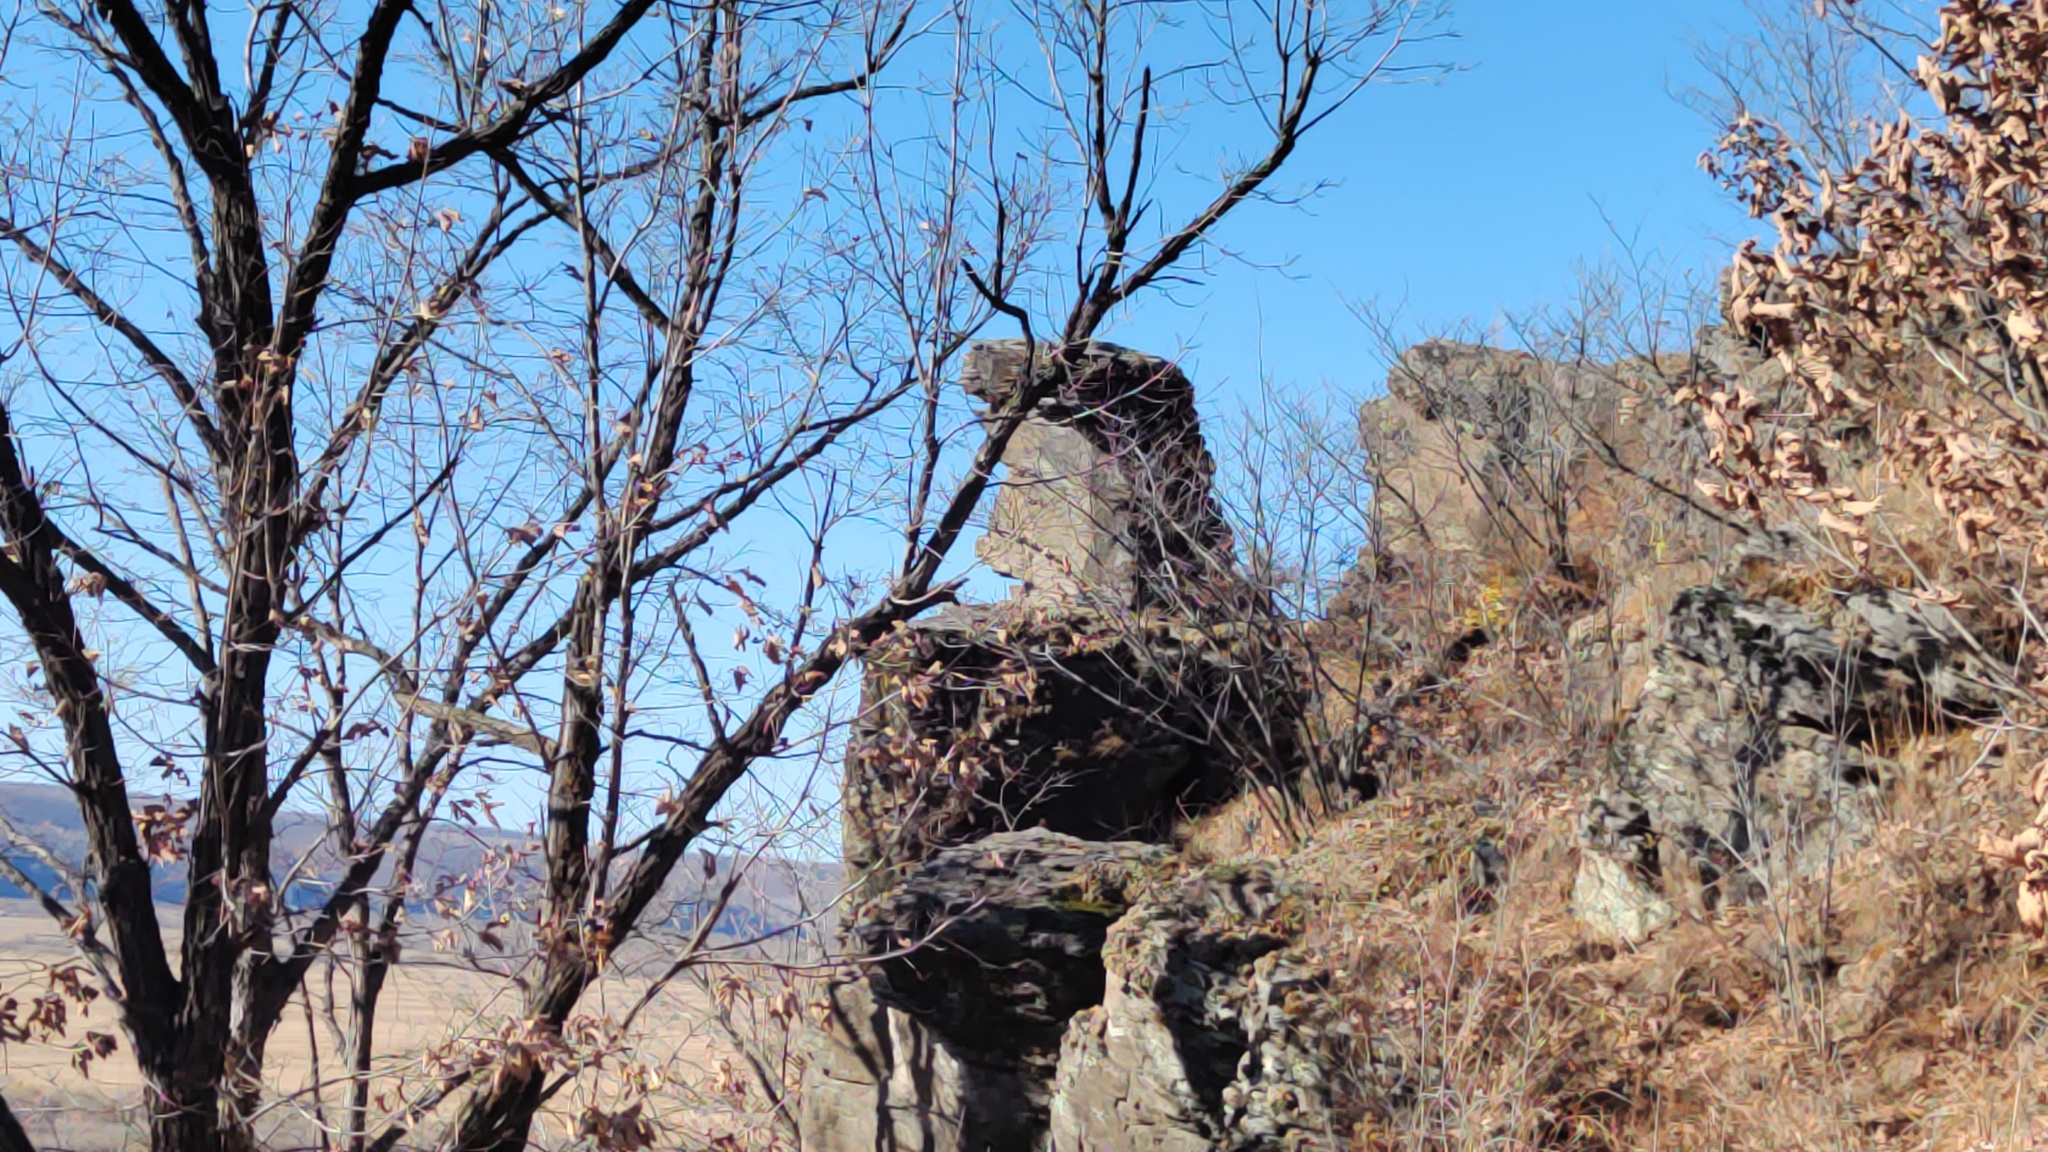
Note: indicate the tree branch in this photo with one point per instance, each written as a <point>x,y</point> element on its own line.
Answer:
<point>32,582</point>
<point>128,594</point>
<point>509,125</point>
<point>158,360</point>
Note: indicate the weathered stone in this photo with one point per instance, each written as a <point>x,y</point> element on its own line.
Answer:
<point>1208,1037</point>
<point>993,946</point>
<point>1753,730</point>
<point>1046,1010</point>
<point>1494,453</point>
<point>1615,902</point>
<point>1123,686</point>
<point>1106,497</point>
<point>875,1080</point>
<point>1004,716</point>
<point>1126,685</point>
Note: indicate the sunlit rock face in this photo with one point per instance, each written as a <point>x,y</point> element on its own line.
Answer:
<point>1748,747</point>
<point>1104,699</point>
<point>1106,498</point>
<point>1013,774</point>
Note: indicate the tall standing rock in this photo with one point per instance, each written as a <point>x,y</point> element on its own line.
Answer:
<point>1013,760</point>
<point>1106,499</point>
<point>1119,686</point>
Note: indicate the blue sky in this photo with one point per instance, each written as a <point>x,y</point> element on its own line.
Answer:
<point>1562,137</point>
<point>1461,199</point>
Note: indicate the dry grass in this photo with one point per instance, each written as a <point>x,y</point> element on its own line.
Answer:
<point>432,1005</point>
<point>1890,1002</point>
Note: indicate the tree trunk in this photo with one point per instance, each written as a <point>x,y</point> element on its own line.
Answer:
<point>13,1138</point>
<point>499,1117</point>
<point>186,1122</point>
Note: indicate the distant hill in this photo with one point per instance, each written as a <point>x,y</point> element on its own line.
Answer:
<point>775,895</point>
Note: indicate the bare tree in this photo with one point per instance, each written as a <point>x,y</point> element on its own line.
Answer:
<point>518,341</point>
<point>1827,72</point>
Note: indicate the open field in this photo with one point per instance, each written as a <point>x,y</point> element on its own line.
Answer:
<point>435,1005</point>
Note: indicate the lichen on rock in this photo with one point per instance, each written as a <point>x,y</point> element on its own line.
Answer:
<point>1756,733</point>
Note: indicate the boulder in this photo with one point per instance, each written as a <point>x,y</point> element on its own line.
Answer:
<point>1002,716</point>
<point>1755,730</point>
<point>993,946</point>
<point>1615,894</point>
<point>1209,1036</point>
<point>1106,491</point>
<point>875,1080</point>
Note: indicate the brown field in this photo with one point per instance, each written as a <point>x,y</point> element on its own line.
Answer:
<point>433,1003</point>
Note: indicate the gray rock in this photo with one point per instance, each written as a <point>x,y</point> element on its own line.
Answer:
<point>1122,687</point>
<point>1751,736</point>
<point>1106,496</point>
<point>1000,716</point>
<point>876,1081</point>
<point>993,946</point>
<point>1493,452</point>
<point>1614,901</point>
<point>1128,683</point>
<point>1209,1037</point>
<point>949,1045</point>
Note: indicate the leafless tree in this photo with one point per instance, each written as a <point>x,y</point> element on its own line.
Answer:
<point>397,396</point>
<point>1829,72</point>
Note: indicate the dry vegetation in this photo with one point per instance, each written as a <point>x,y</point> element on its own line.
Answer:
<point>1891,1000</point>
<point>1874,387</point>
<point>1877,392</point>
<point>1444,909</point>
<point>674,1058</point>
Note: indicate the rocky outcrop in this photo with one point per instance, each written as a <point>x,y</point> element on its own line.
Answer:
<point>1106,495</point>
<point>1120,687</point>
<point>1038,992</point>
<point>875,1081</point>
<point>1754,732</point>
<point>993,946</point>
<point>1483,452</point>
<point>983,955</point>
<point>1209,1036</point>
<point>1124,685</point>
<point>1003,716</point>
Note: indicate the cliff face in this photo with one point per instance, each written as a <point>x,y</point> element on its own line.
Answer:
<point>1664,833</point>
<point>1495,455</point>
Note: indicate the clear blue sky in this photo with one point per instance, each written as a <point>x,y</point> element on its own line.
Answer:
<point>1470,195</point>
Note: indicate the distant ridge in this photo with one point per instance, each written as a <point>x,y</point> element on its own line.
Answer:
<point>774,896</point>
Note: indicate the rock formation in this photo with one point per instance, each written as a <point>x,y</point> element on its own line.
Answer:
<point>1484,452</point>
<point>993,946</point>
<point>1116,691</point>
<point>1118,688</point>
<point>1209,1035</point>
<point>1002,716</point>
<point>987,951</point>
<point>1750,737</point>
<point>1751,702</point>
<point>1107,495</point>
